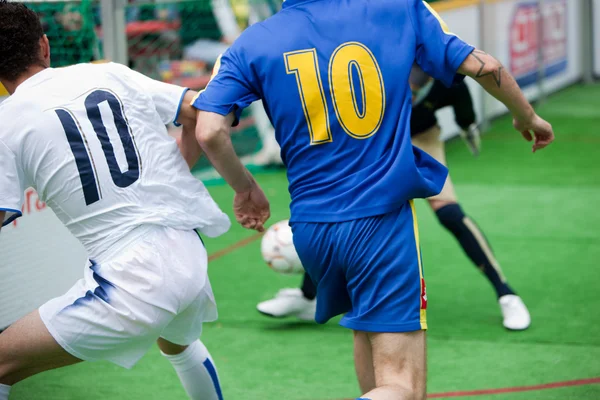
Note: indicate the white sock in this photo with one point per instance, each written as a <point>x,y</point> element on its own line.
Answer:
<point>4,391</point>
<point>197,372</point>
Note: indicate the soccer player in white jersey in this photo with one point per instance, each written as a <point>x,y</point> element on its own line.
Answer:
<point>91,139</point>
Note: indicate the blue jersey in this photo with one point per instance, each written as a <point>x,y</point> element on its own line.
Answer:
<point>333,77</point>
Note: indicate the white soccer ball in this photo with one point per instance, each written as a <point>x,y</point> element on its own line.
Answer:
<point>278,249</point>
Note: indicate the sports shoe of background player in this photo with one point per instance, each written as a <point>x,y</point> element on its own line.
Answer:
<point>472,138</point>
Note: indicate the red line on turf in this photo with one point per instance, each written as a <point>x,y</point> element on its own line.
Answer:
<point>234,247</point>
<point>515,389</point>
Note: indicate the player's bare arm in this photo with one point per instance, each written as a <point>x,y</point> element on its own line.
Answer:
<point>498,82</point>
<point>188,145</point>
<point>187,114</point>
<point>250,204</point>
<point>212,133</point>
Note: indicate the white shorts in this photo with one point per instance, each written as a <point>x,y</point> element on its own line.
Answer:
<point>156,287</point>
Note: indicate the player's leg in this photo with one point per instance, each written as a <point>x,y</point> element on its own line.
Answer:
<point>195,368</point>
<point>178,340</point>
<point>399,361</point>
<point>299,303</point>
<point>26,349</point>
<point>460,98</point>
<point>363,361</point>
<point>476,247</point>
<point>308,288</point>
<point>471,238</point>
<point>472,241</point>
<point>451,216</point>
<point>387,290</point>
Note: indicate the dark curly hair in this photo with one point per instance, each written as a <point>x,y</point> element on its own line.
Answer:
<point>20,33</point>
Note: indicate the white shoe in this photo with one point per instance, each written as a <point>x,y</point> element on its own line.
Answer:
<point>472,138</point>
<point>289,303</point>
<point>515,313</point>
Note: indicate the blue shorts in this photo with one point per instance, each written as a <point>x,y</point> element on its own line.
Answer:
<point>368,268</point>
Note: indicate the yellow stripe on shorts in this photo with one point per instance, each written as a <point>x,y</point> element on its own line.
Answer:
<point>423,290</point>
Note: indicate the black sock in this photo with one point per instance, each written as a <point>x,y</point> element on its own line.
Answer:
<point>474,244</point>
<point>308,288</point>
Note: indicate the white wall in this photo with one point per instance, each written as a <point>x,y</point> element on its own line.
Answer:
<point>40,260</point>
<point>463,22</point>
<point>514,33</point>
<point>596,27</point>
<point>511,32</point>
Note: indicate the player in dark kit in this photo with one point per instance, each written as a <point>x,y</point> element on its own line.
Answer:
<point>430,95</point>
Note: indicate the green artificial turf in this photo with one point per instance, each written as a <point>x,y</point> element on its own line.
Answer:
<point>539,211</point>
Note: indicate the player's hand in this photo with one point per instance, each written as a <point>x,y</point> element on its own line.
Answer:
<point>537,129</point>
<point>252,208</point>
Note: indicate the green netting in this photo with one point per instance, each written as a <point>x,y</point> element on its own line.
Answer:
<point>161,35</point>
<point>71,29</point>
<point>179,41</point>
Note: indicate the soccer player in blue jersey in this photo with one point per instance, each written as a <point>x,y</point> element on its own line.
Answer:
<point>430,95</point>
<point>333,76</point>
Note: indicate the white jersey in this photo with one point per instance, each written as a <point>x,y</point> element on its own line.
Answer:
<point>91,139</point>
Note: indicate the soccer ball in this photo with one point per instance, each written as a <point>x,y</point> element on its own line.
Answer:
<point>278,249</point>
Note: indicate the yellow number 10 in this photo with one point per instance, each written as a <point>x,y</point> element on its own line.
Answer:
<point>358,120</point>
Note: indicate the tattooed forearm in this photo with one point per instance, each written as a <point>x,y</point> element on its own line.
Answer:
<point>501,85</point>
<point>496,73</point>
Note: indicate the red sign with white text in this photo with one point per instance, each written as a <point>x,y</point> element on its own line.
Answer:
<point>531,28</point>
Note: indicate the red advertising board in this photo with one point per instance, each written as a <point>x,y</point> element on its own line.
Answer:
<point>533,26</point>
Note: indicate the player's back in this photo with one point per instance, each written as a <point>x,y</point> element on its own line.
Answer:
<point>334,78</point>
<point>91,139</point>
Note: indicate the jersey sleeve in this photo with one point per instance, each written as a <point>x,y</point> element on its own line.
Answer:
<point>167,98</point>
<point>230,88</point>
<point>439,52</point>
<point>11,185</point>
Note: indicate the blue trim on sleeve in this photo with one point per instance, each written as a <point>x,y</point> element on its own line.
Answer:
<point>458,59</point>
<point>224,111</point>
<point>17,214</point>
<point>221,110</point>
<point>179,107</point>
